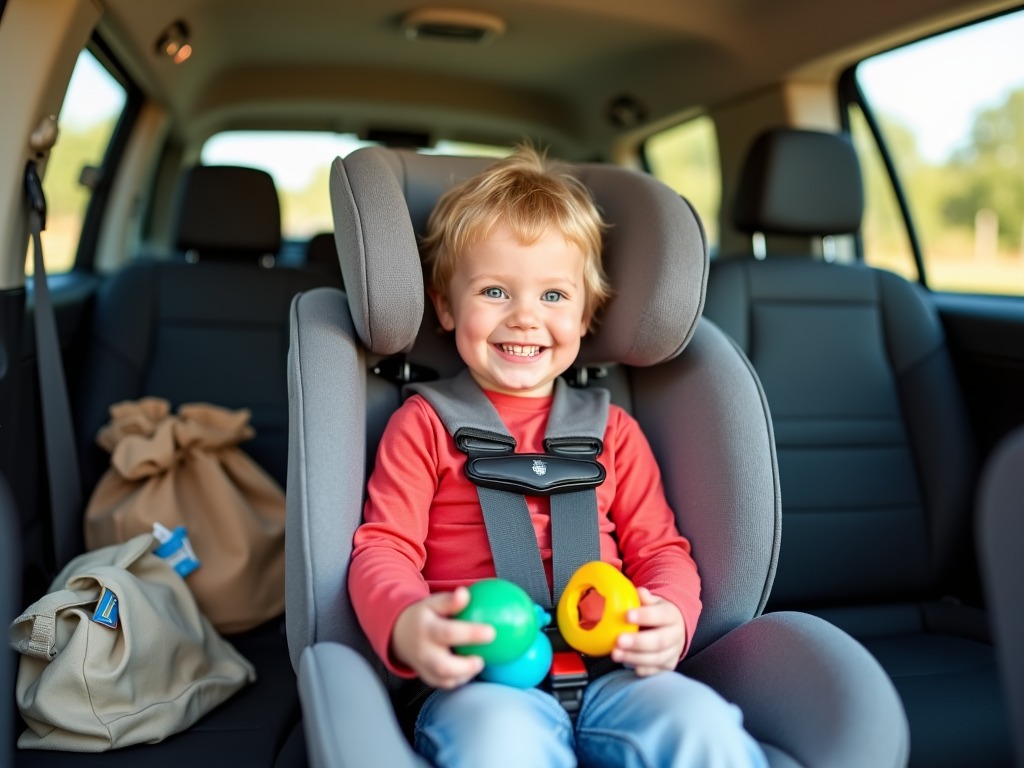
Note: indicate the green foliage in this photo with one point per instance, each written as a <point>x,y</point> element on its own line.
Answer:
<point>989,172</point>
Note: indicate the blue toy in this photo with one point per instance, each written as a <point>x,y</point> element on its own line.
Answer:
<point>529,669</point>
<point>520,654</point>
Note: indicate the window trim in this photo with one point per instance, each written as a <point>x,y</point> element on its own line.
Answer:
<point>850,93</point>
<point>88,238</point>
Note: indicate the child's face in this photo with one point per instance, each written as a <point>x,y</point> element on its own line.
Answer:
<point>517,310</point>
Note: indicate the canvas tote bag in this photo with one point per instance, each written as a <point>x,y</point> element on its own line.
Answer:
<point>86,687</point>
<point>188,470</point>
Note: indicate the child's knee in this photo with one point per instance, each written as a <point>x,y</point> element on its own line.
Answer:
<point>490,724</point>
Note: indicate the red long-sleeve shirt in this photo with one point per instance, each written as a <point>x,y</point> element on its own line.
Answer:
<point>424,530</point>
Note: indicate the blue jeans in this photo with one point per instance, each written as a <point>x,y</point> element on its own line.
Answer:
<point>626,721</point>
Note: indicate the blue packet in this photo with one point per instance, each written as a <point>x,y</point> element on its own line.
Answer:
<point>106,609</point>
<point>176,549</point>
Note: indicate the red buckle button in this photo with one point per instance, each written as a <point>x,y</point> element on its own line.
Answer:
<point>567,663</point>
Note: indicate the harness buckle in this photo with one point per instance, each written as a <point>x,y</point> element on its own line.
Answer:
<point>569,679</point>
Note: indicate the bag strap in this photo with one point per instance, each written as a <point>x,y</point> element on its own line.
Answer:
<point>58,430</point>
<point>39,637</point>
<point>575,430</point>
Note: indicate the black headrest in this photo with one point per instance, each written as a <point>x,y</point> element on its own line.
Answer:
<point>800,183</point>
<point>322,255</point>
<point>227,213</point>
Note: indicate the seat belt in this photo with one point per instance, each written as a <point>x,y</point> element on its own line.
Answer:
<point>568,472</point>
<point>58,430</point>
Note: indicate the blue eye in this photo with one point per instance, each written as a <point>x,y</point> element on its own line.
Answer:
<point>552,296</point>
<point>495,293</point>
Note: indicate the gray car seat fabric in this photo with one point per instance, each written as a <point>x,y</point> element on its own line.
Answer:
<point>381,201</point>
<point>703,411</point>
<point>215,331</point>
<point>1000,541</point>
<point>876,456</point>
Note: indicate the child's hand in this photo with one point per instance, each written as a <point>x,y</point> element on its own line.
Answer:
<point>424,635</point>
<point>659,643</point>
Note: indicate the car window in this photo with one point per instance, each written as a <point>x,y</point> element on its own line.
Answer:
<point>300,164</point>
<point>686,158</point>
<point>950,110</point>
<point>92,105</point>
<point>884,230</point>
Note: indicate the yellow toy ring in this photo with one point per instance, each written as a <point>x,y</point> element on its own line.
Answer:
<point>619,596</point>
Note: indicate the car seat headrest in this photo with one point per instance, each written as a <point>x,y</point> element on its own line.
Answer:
<point>800,183</point>
<point>655,252</point>
<point>227,213</point>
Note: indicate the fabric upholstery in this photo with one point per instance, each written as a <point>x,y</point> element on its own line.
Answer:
<point>1000,539</point>
<point>709,427</point>
<point>382,198</point>
<point>809,690</point>
<point>206,332</point>
<point>346,730</point>
<point>227,213</point>
<point>853,363</point>
<point>800,183</point>
<point>328,405</point>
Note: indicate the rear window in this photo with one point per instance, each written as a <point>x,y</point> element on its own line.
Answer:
<point>685,157</point>
<point>300,164</point>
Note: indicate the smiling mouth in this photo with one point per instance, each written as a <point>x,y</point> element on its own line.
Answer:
<point>521,350</point>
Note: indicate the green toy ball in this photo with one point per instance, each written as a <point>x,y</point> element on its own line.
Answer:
<point>510,611</point>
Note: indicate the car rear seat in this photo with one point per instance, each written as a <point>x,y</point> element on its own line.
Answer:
<point>876,455</point>
<point>217,331</point>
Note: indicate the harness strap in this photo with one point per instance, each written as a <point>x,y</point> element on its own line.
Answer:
<point>575,535</point>
<point>575,430</point>
<point>514,543</point>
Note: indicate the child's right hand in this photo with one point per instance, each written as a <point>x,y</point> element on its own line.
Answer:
<point>424,635</point>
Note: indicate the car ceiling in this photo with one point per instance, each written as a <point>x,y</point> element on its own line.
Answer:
<point>346,65</point>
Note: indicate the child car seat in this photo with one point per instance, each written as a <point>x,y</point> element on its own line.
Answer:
<point>810,694</point>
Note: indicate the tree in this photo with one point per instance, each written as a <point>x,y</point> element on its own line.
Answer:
<point>989,171</point>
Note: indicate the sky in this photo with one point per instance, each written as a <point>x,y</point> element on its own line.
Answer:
<point>937,86</point>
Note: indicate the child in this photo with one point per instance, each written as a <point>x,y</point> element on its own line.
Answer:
<point>515,272</point>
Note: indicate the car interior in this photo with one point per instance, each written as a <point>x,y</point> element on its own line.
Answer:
<point>836,190</point>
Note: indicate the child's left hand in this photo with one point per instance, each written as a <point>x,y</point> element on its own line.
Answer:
<point>659,643</point>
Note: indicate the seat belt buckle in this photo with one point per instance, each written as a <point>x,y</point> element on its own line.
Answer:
<point>569,679</point>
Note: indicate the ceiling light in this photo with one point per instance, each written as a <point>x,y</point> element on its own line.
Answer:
<point>173,42</point>
<point>452,25</point>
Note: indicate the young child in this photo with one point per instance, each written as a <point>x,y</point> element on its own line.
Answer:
<point>515,272</point>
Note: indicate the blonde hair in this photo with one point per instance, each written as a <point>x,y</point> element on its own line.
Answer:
<point>530,194</point>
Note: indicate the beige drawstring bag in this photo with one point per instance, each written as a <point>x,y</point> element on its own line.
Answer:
<point>188,470</point>
<point>86,687</point>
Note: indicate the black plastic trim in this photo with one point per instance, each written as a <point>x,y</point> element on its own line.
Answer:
<point>851,93</point>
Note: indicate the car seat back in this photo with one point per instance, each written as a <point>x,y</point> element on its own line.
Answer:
<point>213,331</point>
<point>875,453</point>
<point>702,410</point>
